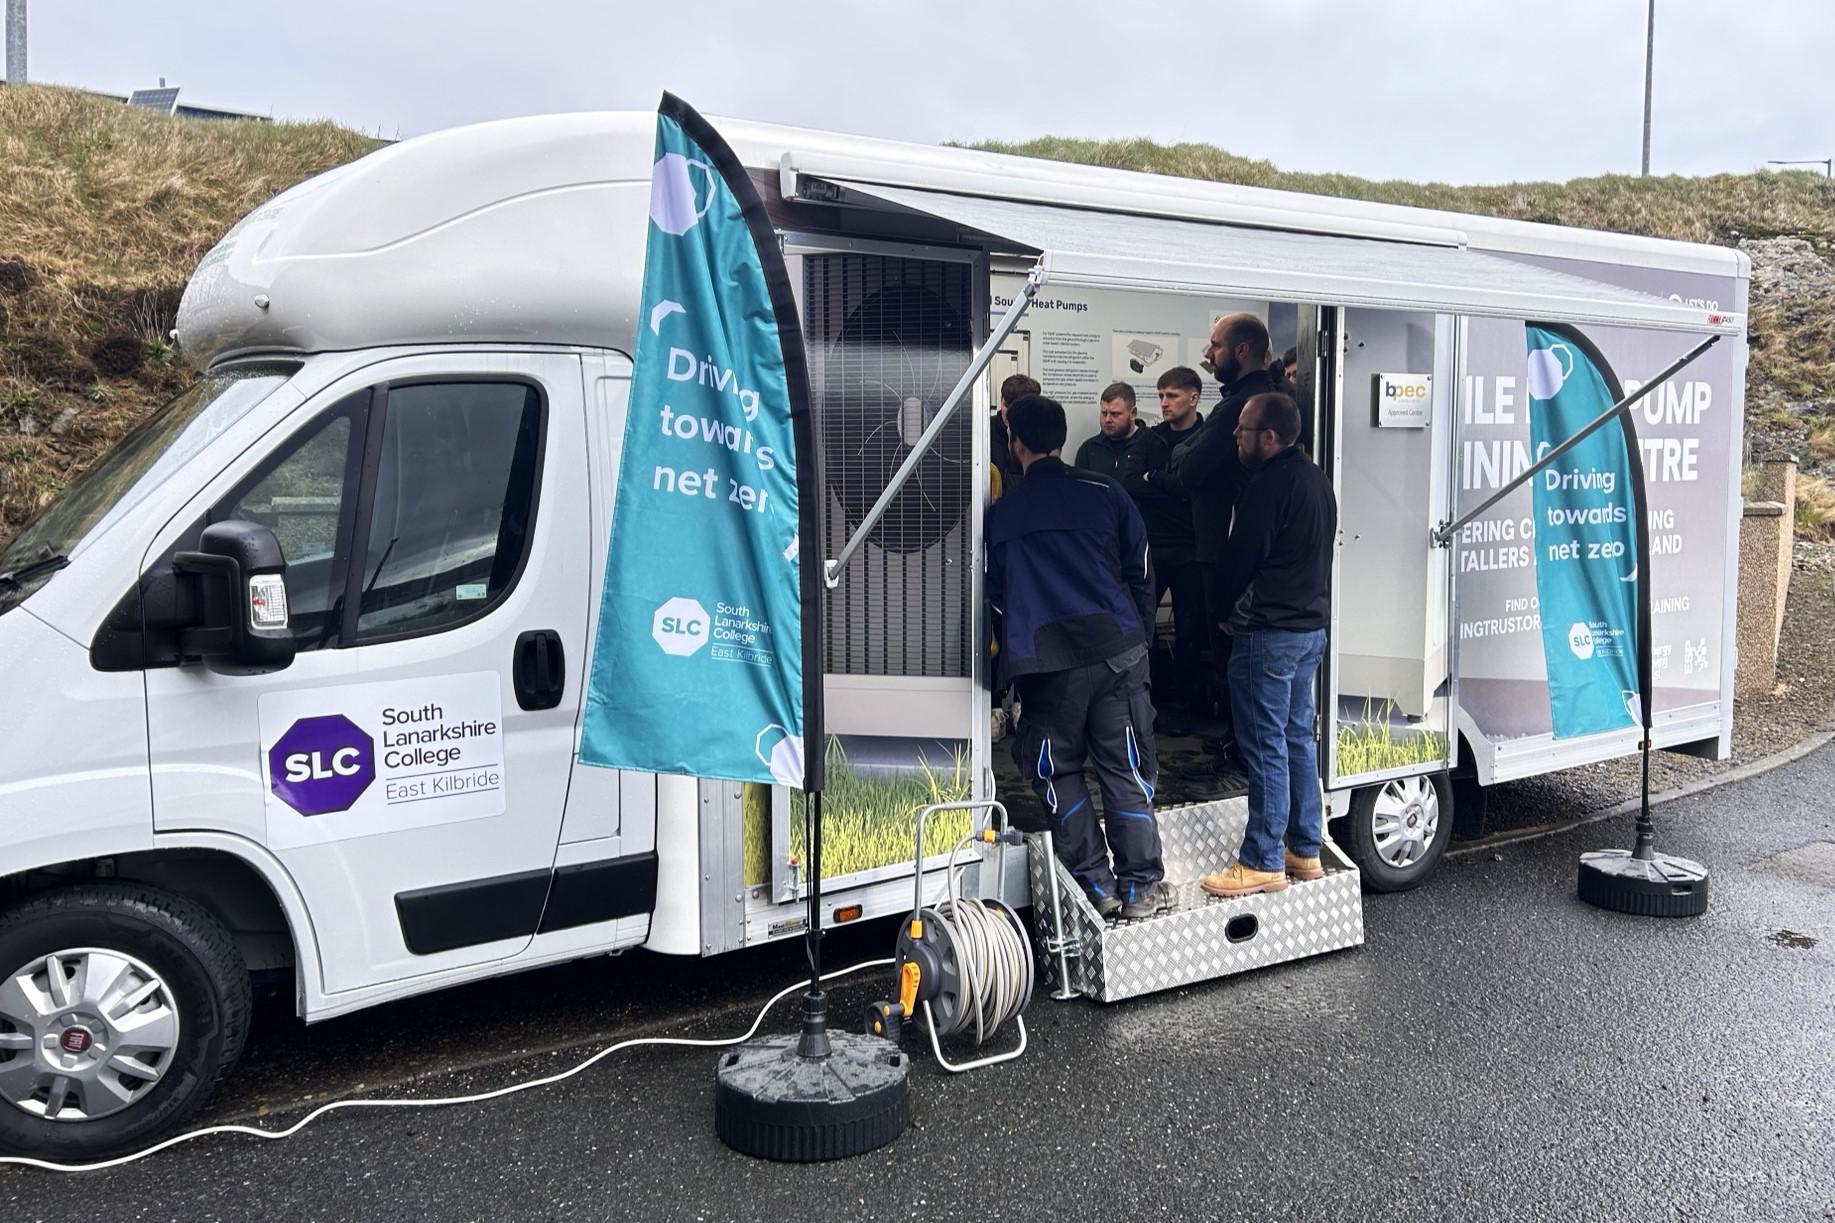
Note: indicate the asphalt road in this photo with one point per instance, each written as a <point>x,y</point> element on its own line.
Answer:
<point>1496,1050</point>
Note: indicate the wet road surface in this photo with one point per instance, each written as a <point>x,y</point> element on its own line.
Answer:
<point>1495,1050</point>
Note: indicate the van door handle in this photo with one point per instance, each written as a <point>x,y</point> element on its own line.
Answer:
<point>540,669</point>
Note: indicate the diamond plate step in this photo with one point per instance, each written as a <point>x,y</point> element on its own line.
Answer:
<point>1202,937</point>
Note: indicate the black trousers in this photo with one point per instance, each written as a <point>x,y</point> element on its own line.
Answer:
<point>1098,714</point>
<point>1219,641</point>
<point>1180,573</point>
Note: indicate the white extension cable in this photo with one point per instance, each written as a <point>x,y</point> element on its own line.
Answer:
<point>446,1101</point>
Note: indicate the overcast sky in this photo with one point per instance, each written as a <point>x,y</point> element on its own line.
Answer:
<point>1459,90</point>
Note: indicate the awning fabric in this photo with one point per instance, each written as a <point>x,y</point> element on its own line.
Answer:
<point>1081,248</point>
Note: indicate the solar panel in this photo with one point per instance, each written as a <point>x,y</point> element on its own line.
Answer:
<point>163,100</point>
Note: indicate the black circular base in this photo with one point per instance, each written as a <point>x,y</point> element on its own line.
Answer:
<point>773,1103</point>
<point>1659,886</point>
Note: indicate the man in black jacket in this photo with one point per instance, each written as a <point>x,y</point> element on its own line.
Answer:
<point>1071,585</point>
<point>1169,530</point>
<point>1116,426</point>
<point>1275,587</point>
<point>1000,456</point>
<point>1206,469</point>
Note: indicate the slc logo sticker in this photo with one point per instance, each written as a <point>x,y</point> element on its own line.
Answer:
<point>680,627</point>
<point>322,764</point>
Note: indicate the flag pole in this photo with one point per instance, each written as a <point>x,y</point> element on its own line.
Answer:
<point>816,1095</point>
<point>1639,880</point>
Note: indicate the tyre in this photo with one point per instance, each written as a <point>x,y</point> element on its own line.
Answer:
<point>1398,829</point>
<point>121,1009</point>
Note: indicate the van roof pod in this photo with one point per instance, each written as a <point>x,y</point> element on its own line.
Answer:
<point>532,231</point>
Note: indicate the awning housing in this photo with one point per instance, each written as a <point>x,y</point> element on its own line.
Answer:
<point>1081,248</point>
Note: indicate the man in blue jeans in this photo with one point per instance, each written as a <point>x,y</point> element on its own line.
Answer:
<point>1276,587</point>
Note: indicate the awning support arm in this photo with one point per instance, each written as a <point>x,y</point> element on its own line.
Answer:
<point>1008,321</point>
<point>1443,534</point>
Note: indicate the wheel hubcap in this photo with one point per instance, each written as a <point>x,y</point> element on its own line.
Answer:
<point>84,1033</point>
<point>1405,819</point>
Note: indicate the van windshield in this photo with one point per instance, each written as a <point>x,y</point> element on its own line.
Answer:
<point>124,477</point>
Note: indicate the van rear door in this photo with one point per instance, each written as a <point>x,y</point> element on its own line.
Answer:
<point>409,769</point>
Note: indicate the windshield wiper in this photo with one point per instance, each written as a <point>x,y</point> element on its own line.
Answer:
<point>17,578</point>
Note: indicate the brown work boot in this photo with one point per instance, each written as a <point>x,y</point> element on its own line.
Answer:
<point>1304,869</point>
<point>1240,880</point>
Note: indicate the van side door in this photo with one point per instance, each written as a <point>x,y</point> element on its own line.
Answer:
<point>409,769</point>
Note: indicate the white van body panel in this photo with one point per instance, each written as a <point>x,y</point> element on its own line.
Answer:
<point>73,781</point>
<point>206,727</point>
<point>675,926</point>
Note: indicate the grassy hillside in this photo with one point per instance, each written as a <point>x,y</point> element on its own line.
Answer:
<point>104,211</point>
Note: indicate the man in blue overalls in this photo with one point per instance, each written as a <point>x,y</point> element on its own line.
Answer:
<point>1071,585</point>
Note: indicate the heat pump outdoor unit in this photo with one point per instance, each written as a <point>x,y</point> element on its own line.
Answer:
<point>888,337</point>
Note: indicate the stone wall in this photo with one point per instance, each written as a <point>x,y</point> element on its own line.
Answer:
<point>1765,537</point>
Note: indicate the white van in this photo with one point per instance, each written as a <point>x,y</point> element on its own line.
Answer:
<point>390,491</point>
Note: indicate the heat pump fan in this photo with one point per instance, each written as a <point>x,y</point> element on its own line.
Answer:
<point>885,375</point>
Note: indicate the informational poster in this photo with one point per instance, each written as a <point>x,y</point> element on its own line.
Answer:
<point>1689,433</point>
<point>1080,342</point>
<point>355,760</point>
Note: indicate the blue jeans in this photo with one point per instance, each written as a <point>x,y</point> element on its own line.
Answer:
<point>1271,693</point>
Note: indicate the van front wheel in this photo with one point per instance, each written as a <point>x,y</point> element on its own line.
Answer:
<point>121,1008</point>
<point>1398,830</point>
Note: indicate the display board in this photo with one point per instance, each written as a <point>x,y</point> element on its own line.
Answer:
<point>1079,342</point>
<point>1689,432</point>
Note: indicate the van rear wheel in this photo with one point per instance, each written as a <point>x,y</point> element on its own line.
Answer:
<point>1398,829</point>
<point>121,1008</point>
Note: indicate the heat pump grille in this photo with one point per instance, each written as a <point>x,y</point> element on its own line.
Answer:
<point>888,337</point>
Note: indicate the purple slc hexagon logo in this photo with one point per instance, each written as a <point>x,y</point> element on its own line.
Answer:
<point>322,764</point>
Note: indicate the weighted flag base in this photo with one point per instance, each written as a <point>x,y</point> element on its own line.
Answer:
<point>814,1097</point>
<point>1656,886</point>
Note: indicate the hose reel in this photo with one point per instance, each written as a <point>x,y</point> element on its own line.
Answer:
<point>965,963</point>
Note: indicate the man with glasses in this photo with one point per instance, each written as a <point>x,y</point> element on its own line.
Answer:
<point>1274,584</point>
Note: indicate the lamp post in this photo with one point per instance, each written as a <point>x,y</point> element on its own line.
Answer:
<point>1650,54</point>
<point>15,42</point>
<point>1827,163</point>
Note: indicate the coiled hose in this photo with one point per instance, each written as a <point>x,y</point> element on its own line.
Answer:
<point>997,971</point>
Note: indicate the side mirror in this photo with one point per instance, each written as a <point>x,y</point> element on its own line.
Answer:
<point>240,578</point>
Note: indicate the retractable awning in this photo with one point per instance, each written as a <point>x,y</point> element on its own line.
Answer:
<point>1083,248</point>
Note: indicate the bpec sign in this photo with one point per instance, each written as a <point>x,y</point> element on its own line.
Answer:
<point>1404,401</point>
